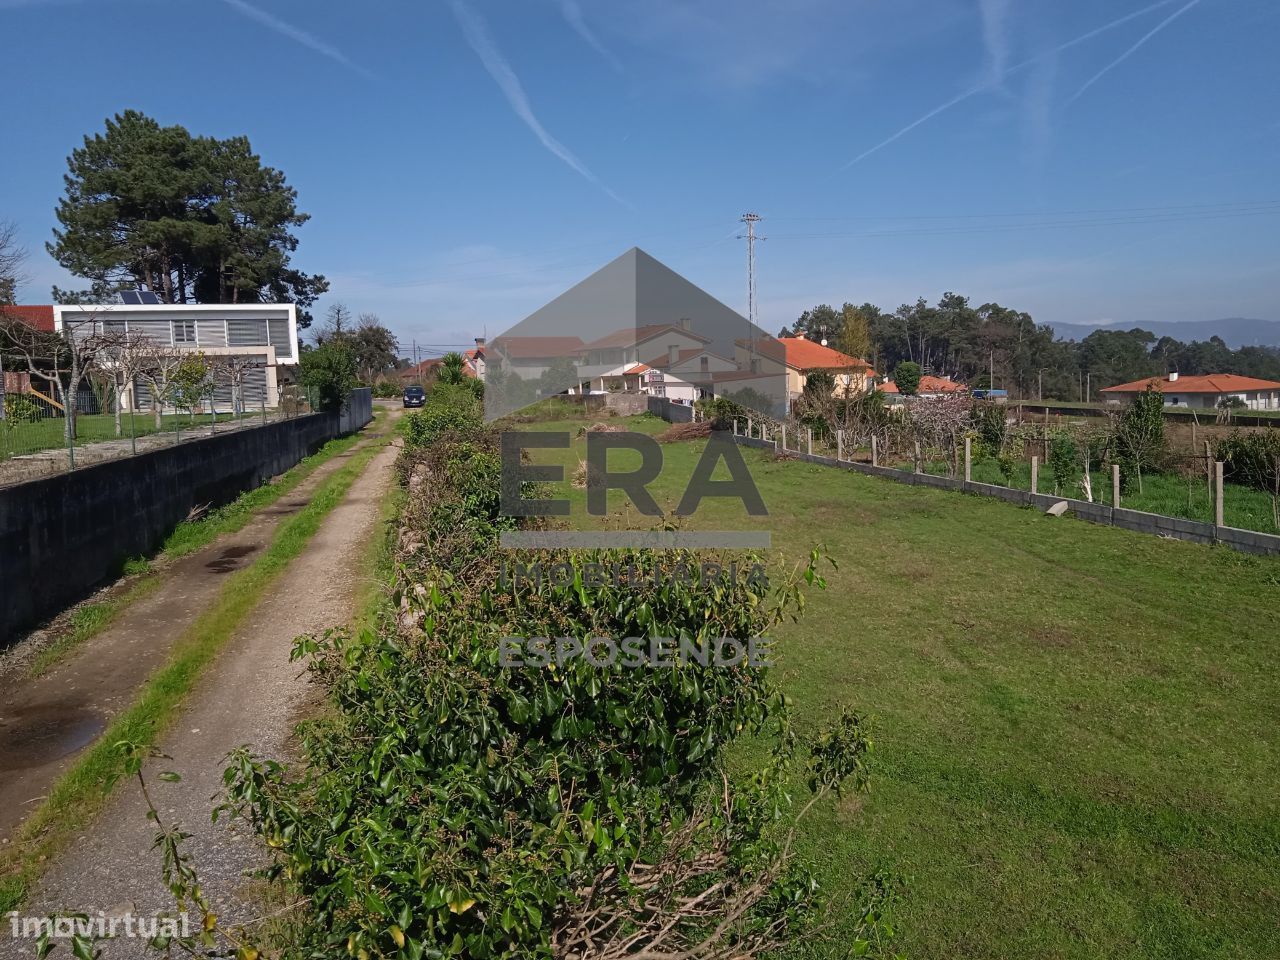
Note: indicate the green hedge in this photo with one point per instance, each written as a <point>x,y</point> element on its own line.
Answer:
<point>456,807</point>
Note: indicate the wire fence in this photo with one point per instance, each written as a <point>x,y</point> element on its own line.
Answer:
<point>38,438</point>
<point>1185,485</point>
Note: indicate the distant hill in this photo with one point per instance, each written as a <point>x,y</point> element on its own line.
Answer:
<point>1236,332</point>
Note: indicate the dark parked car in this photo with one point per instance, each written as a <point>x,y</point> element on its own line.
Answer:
<point>414,396</point>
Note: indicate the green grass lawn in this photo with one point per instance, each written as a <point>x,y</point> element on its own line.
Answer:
<point>48,433</point>
<point>1076,726</point>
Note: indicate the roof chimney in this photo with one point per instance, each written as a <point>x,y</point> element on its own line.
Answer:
<point>800,335</point>
<point>1173,376</point>
<point>673,351</point>
<point>479,343</point>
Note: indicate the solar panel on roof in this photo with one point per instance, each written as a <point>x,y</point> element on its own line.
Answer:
<point>130,296</point>
<point>146,296</point>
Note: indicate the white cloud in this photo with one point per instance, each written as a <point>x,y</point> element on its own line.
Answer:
<point>477,34</point>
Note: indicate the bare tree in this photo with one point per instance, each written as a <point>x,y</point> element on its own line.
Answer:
<point>123,359</point>
<point>159,363</point>
<point>61,358</point>
<point>232,369</point>
<point>12,259</point>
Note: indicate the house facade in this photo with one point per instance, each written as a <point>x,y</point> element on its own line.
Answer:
<point>1205,392</point>
<point>266,334</point>
<point>797,357</point>
<point>930,386</point>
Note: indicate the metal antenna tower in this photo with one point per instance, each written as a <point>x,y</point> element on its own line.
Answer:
<point>751,219</point>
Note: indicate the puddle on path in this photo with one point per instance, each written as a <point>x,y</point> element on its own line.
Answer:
<point>34,736</point>
<point>229,559</point>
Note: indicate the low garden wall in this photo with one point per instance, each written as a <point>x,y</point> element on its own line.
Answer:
<point>65,535</point>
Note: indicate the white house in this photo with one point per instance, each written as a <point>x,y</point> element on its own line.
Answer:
<point>1202,392</point>
<point>265,332</point>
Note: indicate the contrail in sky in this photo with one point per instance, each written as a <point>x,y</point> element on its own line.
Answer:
<point>987,84</point>
<point>573,16</point>
<point>1131,51</point>
<point>297,34</point>
<point>477,35</point>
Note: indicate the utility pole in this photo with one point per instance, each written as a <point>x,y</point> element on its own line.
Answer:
<point>751,219</point>
<point>1040,384</point>
<point>1088,387</point>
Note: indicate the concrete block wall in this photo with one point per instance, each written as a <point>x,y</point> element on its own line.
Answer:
<point>669,410</point>
<point>1247,541</point>
<point>64,536</point>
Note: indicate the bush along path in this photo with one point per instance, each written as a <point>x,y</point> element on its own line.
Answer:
<point>162,681</point>
<point>451,805</point>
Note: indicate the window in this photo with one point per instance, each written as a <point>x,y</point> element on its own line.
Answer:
<point>184,332</point>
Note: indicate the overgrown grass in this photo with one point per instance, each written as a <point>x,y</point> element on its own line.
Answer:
<point>83,790</point>
<point>1076,725</point>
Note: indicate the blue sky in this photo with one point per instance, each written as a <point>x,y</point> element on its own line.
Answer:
<point>466,160</point>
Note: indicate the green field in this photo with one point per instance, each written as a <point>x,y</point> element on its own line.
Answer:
<point>49,433</point>
<point>1076,726</point>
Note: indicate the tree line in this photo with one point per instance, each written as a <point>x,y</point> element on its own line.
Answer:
<point>996,346</point>
<point>190,218</point>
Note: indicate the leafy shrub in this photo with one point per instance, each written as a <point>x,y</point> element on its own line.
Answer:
<point>19,408</point>
<point>991,426</point>
<point>1139,442</point>
<point>448,407</point>
<point>329,372</point>
<point>457,807</point>
<point>906,377</point>
<point>1065,459</point>
<point>385,389</point>
<point>1251,459</point>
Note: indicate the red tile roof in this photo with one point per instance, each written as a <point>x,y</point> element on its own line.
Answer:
<point>40,317</point>
<point>929,384</point>
<point>1208,383</point>
<point>630,336</point>
<point>529,348</point>
<point>806,354</point>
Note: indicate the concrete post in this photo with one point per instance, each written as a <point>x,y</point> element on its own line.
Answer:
<point>1217,494</point>
<point>735,426</point>
<point>1035,474</point>
<point>809,442</point>
<point>875,453</point>
<point>968,460</point>
<point>839,444</point>
<point>1115,484</point>
<point>918,464</point>
<point>784,438</point>
<point>751,427</point>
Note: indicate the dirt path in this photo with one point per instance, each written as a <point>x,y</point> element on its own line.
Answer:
<point>46,722</point>
<point>252,696</point>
